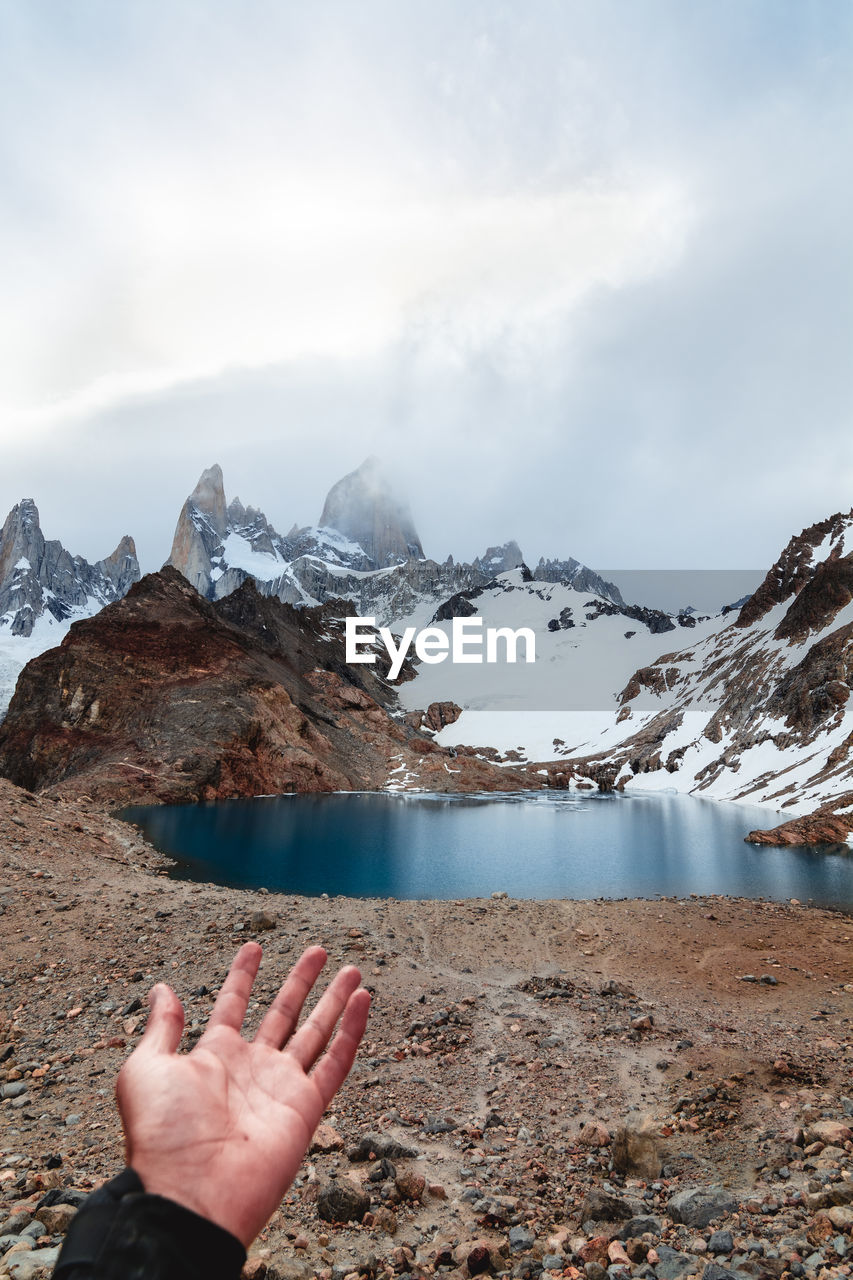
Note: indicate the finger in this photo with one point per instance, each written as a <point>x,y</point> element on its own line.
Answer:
<point>316,1031</point>
<point>334,1066</point>
<point>280,1020</point>
<point>230,1007</point>
<point>165,1024</point>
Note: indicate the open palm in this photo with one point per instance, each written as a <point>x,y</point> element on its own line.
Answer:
<point>223,1129</point>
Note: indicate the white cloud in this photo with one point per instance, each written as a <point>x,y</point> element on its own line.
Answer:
<point>190,280</point>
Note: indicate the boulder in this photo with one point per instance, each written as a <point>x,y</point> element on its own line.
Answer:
<point>697,1206</point>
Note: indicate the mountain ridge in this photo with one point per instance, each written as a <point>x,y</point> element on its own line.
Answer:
<point>217,545</point>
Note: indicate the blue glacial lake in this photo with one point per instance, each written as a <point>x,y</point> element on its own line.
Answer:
<point>550,845</point>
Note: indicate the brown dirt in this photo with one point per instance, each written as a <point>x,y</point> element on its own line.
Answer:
<point>91,920</point>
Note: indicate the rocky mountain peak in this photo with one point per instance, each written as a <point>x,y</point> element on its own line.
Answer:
<point>208,497</point>
<point>21,538</point>
<point>500,559</point>
<point>363,507</point>
<point>40,577</point>
<point>828,540</point>
<point>201,528</point>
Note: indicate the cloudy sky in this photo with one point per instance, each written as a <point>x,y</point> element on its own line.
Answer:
<point>579,272</point>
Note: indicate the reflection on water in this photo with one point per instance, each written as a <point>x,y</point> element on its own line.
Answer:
<point>551,845</point>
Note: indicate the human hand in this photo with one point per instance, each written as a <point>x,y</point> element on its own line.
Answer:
<point>222,1129</point>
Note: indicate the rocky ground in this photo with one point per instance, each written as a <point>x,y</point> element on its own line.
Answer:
<point>651,1089</point>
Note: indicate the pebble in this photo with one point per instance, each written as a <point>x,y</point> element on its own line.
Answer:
<point>521,1239</point>
<point>342,1201</point>
<point>721,1242</point>
<point>697,1206</point>
<point>27,1266</point>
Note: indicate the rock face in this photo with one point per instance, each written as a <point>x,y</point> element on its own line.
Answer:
<point>797,565</point>
<point>495,560</point>
<point>201,529</point>
<point>167,696</point>
<point>363,508</point>
<point>830,824</point>
<point>574,574</point>
<point>37,576</point>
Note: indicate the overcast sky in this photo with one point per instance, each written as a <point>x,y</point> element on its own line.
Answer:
<point>579,272</point>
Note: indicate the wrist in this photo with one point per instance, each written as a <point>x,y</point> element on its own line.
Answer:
<point>188,1194</point>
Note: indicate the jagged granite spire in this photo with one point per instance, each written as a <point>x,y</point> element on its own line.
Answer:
<point>364,509</point>
<point>201,529</point>
<point>39,576</point>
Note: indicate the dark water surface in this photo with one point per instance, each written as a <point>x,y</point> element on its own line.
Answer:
<point>552,845</point>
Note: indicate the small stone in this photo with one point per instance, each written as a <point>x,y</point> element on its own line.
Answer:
<point>410,1185</point>
<point>640,1226</point>
<point>382,1171</point>
<point>697,1206</point>
<point>601,1207</point>
<point>616,1253</point>
<point>28,1266</point>
<point>595,1250</point>
<point>385,1220</point>
<point>20,1244</point>
<point>594,1134</point>
<point>721,1242</point>
<point>376,1146</point>
<point>520,1239</point>
<point>260,922</point>
<point>671,1264</point>
<point>342,1201</point>
<point>478,1259</point>
<point>325,1140</point>
<point>831,1132</point>
<point>637,1148</point>
<point>57,1218</point>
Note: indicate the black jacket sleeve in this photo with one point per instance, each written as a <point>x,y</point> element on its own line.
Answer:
<point>122,1233</point>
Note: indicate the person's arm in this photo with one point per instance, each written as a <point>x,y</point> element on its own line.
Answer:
<point>215,1137</point>
<point>121,1232</point>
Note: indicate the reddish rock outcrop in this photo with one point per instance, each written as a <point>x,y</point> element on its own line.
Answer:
<point>794,568</point>
<point>832,823</point>
<point>166,696</point>
<point>823,596</point>
<point>436,716</point>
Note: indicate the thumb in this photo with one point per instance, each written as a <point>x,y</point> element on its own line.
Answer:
<point>165,1024</point>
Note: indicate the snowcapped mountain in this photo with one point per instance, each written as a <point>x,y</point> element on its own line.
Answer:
<point>43,589</point>
<point>761,711</point>
<point>587,647</point>
<point>755,707</point>
<point>371,555</point>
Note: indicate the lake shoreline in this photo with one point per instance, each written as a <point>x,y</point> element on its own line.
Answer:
<point>419,846</point>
